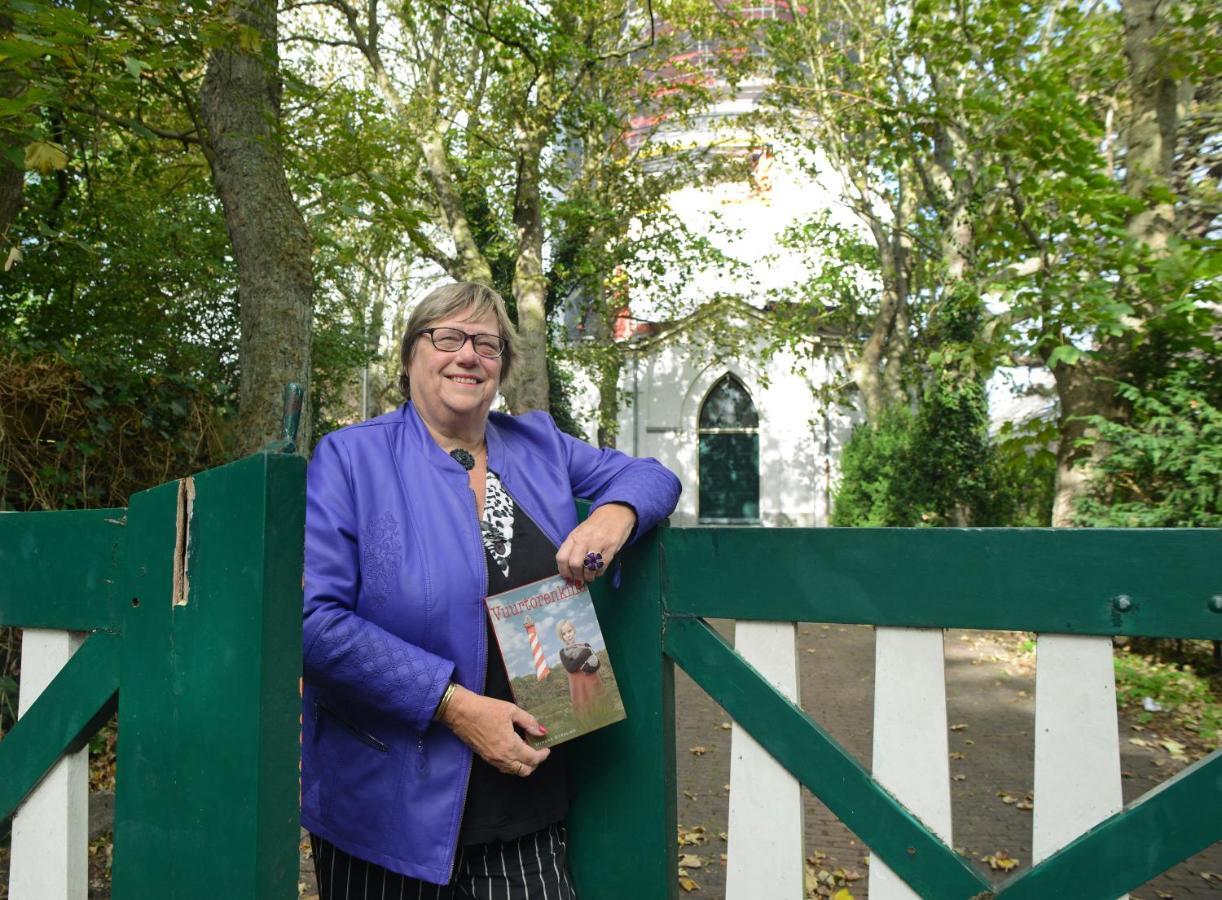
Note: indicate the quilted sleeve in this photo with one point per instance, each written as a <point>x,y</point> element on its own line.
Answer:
<point>342,651</point>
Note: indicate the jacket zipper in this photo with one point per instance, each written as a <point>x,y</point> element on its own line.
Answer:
<point>364,736</point>
<point>481,663</point>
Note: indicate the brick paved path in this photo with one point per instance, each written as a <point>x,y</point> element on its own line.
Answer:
<point>987,690</point>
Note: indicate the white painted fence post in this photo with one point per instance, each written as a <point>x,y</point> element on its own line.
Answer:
<point>911,748</point>
<point>1077,739</point>
<point>50,849</point>
<point>766,835</point>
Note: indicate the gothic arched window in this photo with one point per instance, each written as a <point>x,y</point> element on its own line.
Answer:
<point>729,455</point>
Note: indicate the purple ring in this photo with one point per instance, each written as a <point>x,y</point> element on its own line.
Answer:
<point>594,561</point>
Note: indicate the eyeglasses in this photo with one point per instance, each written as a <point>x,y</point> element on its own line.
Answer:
<point>450,340</point>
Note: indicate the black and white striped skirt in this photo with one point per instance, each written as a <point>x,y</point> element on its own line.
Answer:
<point>532,867</point>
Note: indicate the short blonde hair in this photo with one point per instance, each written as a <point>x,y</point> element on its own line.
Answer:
<point>445,301</point>
<point>565,623</point>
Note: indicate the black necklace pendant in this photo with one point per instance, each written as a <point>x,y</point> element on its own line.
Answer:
<point>463,458</point>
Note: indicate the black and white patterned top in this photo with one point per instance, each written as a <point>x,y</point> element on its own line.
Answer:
<point>505,807</point>
<point>496,528</point>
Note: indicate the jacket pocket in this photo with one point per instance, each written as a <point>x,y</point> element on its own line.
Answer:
<point>359,733</point>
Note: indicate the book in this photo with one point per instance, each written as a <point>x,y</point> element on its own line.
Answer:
<point>556,658</point>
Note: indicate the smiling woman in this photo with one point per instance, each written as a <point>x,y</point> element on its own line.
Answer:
<point>415,772</point>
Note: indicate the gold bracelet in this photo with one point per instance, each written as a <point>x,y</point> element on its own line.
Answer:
<point>445,701</point>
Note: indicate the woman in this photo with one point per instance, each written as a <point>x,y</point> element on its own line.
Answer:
<point>581,664</point>
<point>416,779</point>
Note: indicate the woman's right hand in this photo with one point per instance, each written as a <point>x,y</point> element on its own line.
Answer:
<point>486,725</point>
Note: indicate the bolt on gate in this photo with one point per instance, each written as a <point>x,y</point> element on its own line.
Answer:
<point>190,603</point>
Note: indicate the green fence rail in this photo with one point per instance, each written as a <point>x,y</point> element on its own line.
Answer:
<point>1165,583</point>
<point>192,597</point>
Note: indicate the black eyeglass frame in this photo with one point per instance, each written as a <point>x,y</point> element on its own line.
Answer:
<point>501,342</point>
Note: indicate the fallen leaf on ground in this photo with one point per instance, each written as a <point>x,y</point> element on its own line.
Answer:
<point>690,861</point>
<point>969,743</point>
<point>958,754</point>
<point>698,751</point>
<point>726,726</point>
<point>689,795</point>
<point>959,777</point>
<point>1001,861</point>
<point>1140,742</point>
<point>1175,748</point>
<point>687,884</point>
<point>959,727</point>
<point>1006,798</point>
<point>695,835</point>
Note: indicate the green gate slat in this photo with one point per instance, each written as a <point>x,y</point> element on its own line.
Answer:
<point>622,822</point>
<point>813,757</point>
<point>1010,579</point>
<point>59,568</point>
<point>209,710</point>
<point>76,703</point>
<point>1158,830</point>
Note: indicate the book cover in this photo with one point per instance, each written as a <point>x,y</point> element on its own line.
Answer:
<point>556,658</point>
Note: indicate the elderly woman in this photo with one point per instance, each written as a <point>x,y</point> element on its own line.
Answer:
<point>416,779</point>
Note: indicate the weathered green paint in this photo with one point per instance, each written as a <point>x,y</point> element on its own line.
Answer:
<point>1046,580</point>
<point>209,705</point>
<point>59,568</point>
<point>76,703</point>
<point>147,770</point>
<point>1170,823</point>
<point>813,757</point>
<point>622,824</point>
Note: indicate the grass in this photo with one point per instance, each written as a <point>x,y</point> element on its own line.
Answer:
<point>1193,700</point>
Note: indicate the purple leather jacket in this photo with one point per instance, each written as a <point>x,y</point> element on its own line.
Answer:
<point>394,584</point>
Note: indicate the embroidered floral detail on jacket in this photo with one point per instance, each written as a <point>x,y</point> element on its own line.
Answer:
<point>381,551</point>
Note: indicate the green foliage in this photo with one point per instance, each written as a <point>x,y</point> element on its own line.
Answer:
<point>937,466</point>
<point>1165,465</point>
<point>875,490</point>
<point>560,396</point>
<point>89,432</point>
<point>1185,694</point>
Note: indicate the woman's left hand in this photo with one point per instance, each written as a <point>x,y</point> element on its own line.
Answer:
<point>597,539</point>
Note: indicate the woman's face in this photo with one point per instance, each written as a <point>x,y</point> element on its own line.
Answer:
<point>568,634</point>
<point>457,386</point>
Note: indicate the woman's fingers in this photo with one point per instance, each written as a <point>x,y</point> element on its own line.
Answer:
<point>588,550</point>
<point>486,725</point>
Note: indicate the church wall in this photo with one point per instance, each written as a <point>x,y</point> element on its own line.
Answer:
<point>799,435</point>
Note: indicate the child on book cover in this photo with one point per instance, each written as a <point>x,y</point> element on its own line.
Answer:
<point>586,691</point>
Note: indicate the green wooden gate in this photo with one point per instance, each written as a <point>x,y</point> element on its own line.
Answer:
<point>192,598</point>
<point>1090,582</point>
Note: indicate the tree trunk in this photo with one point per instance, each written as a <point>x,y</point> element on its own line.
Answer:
<point>1081,391</point>
<point>528,388</point>
<point>608,398</point>
<point>1088,388</point>
<point>240,105</point>
<point>1157,100</point>
<point>12,177</point>
<point>12,181</point>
